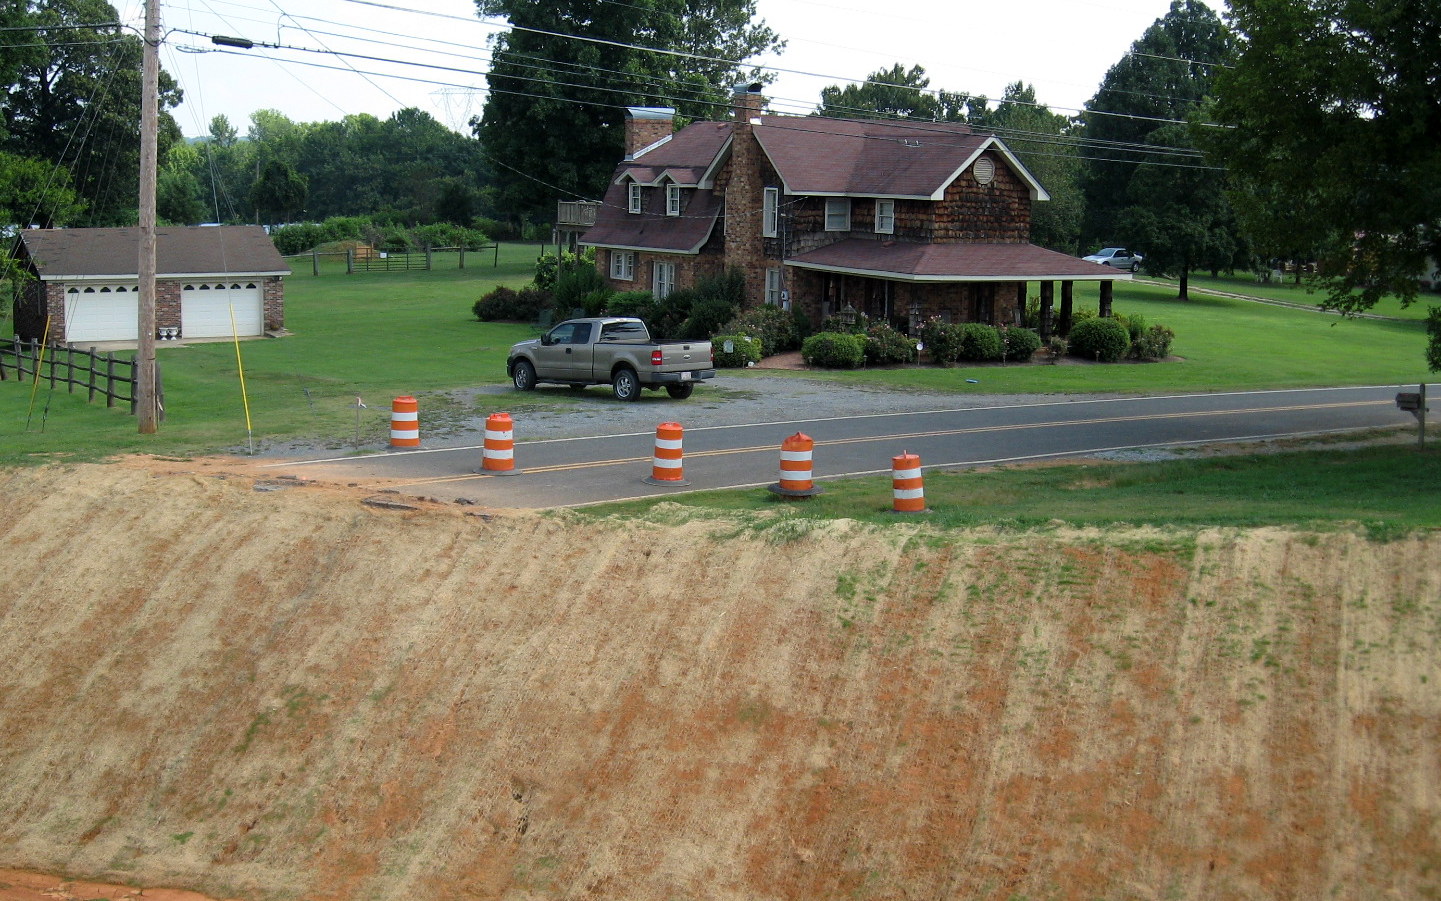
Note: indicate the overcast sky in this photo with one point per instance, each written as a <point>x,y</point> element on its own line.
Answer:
<point>1063,47</point>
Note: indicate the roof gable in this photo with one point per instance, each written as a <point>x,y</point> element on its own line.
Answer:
<point>875,158</point>
<point>60,253</point>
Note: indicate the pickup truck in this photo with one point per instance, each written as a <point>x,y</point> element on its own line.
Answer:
<point>610,351</point>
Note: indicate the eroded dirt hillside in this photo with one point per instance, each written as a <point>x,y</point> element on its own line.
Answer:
<point>290,695</point>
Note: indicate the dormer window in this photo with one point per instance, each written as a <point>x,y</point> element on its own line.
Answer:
<point>635,197</point>
<point>838,214</point>
<point>672,200</point>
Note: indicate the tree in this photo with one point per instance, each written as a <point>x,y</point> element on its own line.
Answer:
<point>278,194</point>
<point>562,76</point>
<point>36,192</point>
<point>74,100</point>
<point>1330,125</point>
<point>1131,134</point>
<point>895,93</point>
<point>1043,141</point>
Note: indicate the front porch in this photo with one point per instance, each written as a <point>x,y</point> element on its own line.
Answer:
<point>907,284</point>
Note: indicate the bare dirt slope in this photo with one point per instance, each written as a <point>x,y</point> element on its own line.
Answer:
<point>287,695</point>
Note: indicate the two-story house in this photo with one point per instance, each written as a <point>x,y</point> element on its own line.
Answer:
<point>900,220</point>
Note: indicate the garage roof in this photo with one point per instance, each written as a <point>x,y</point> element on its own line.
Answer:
<point>69,253</point>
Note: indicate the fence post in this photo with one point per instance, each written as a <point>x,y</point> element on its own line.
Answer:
<point>462,254</point>
<point>314,261</point>
<point>427,259</point>
<point>110,382</point>
<point>90,394</point>
<point>350,261</point>
<point>497,255</point>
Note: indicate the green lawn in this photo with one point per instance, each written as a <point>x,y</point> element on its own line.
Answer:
<point>1388,490</point>
<point>377,336</point>
<point>1290,292</point>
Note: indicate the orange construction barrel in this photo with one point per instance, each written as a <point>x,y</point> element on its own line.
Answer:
<point>404,422</point>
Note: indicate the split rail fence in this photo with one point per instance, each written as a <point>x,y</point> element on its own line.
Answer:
<point>101,374</point>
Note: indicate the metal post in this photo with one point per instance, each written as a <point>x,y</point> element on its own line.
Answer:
<point>1421,418</point>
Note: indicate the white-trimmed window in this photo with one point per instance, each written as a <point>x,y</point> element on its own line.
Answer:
<point>773,286</point>
<point>662,280</point>
<point>672,200</point>
<point>885,217</point>
<point>622,265</point>
<point>838,214</point>
<point>635,197</point>
<point>771,213</point>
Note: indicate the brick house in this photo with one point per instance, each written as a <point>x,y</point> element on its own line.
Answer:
<point>211,282</point>
<point>899,220</point>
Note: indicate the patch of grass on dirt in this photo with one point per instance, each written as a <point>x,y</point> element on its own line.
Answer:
<point>1387,490</point>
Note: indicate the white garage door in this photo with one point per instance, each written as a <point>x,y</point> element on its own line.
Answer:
<point>206,308</point>
<point>102,313</point>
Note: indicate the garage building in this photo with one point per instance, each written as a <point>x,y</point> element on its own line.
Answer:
<point>211,282</point>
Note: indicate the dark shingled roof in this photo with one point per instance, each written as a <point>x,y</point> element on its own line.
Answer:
<point>685,158</point>
<point>60,253</point>
<point>952,262</point>
<point>865,156</point>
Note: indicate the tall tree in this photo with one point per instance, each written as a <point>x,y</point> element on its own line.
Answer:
<point>1131,120</point>
<point>74,100</point>
<point>36,192</point>
<point>1044,142</point>
<point>1332,131</point>
<point>562,76</point>
<point>894,93</point>
<point>278,194</point>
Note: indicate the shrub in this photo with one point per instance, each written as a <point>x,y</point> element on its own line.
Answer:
<point>708,315</point>
<point>942,339</point>
<point>746,350</point>
<point>512,306</point>
<point>639,304</point>
<point>1099,339</point>
<point>575,285</point>
<point>885,346</point>
<point>1154,343</point>
<point>1019,343</point>
<point>548,266</point>
<point>834,350</point>
<point>776,328</point>
<point>979,343</point>
<point>1135,325</point>
<point>297,238</point>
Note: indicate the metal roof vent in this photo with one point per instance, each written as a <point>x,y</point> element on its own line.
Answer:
<point>985,170</point>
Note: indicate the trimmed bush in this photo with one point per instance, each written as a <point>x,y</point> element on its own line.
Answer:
<point>1154,343</point>
<point>576,288</point>
<point>1019,343</point>
<point>980,343</point>
<point>747,350</point>
<point>638,304</point>
<point>942,340</point>
<point>886,347</point>
<point>834,350</point>
<point>1105,340</point>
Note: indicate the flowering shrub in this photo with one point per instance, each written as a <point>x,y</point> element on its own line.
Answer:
<point>1103,340</point>
<point>885,346</point>
<point>1019,343</point>
<point>979,343</point>
<point>942,340</point>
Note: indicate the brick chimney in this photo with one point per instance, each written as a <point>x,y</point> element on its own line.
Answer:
<point>644,125</point>
<point>744,194</point>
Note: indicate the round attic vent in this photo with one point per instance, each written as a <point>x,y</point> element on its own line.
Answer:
<point>985,170</point>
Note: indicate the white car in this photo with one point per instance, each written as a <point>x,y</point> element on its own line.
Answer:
<point>1116,257</point>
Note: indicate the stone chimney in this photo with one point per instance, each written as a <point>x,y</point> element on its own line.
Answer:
<point>644,125</point>
<point>744,195</point>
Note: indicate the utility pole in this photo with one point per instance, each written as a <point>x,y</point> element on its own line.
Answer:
<point>146,403</point>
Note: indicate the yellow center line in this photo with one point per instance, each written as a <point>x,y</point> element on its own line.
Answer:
<point>938,433</point>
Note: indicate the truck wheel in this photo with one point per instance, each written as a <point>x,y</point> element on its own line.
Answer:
<point>523,375</point>
<point>625,385</point>
<point>681,391</point>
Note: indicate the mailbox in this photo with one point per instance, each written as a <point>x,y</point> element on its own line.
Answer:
<point>1408,401</point>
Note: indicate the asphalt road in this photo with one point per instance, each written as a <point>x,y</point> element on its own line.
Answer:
<point>584,470</point>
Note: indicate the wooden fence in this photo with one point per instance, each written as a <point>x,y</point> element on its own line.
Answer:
<point>364,259</point>
<point>103,374</point>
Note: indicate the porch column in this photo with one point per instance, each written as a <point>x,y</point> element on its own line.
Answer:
<point>1048,295</point>
<point>1107,289</point>
<point>1068,296</point>
<point>1018,318</point>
